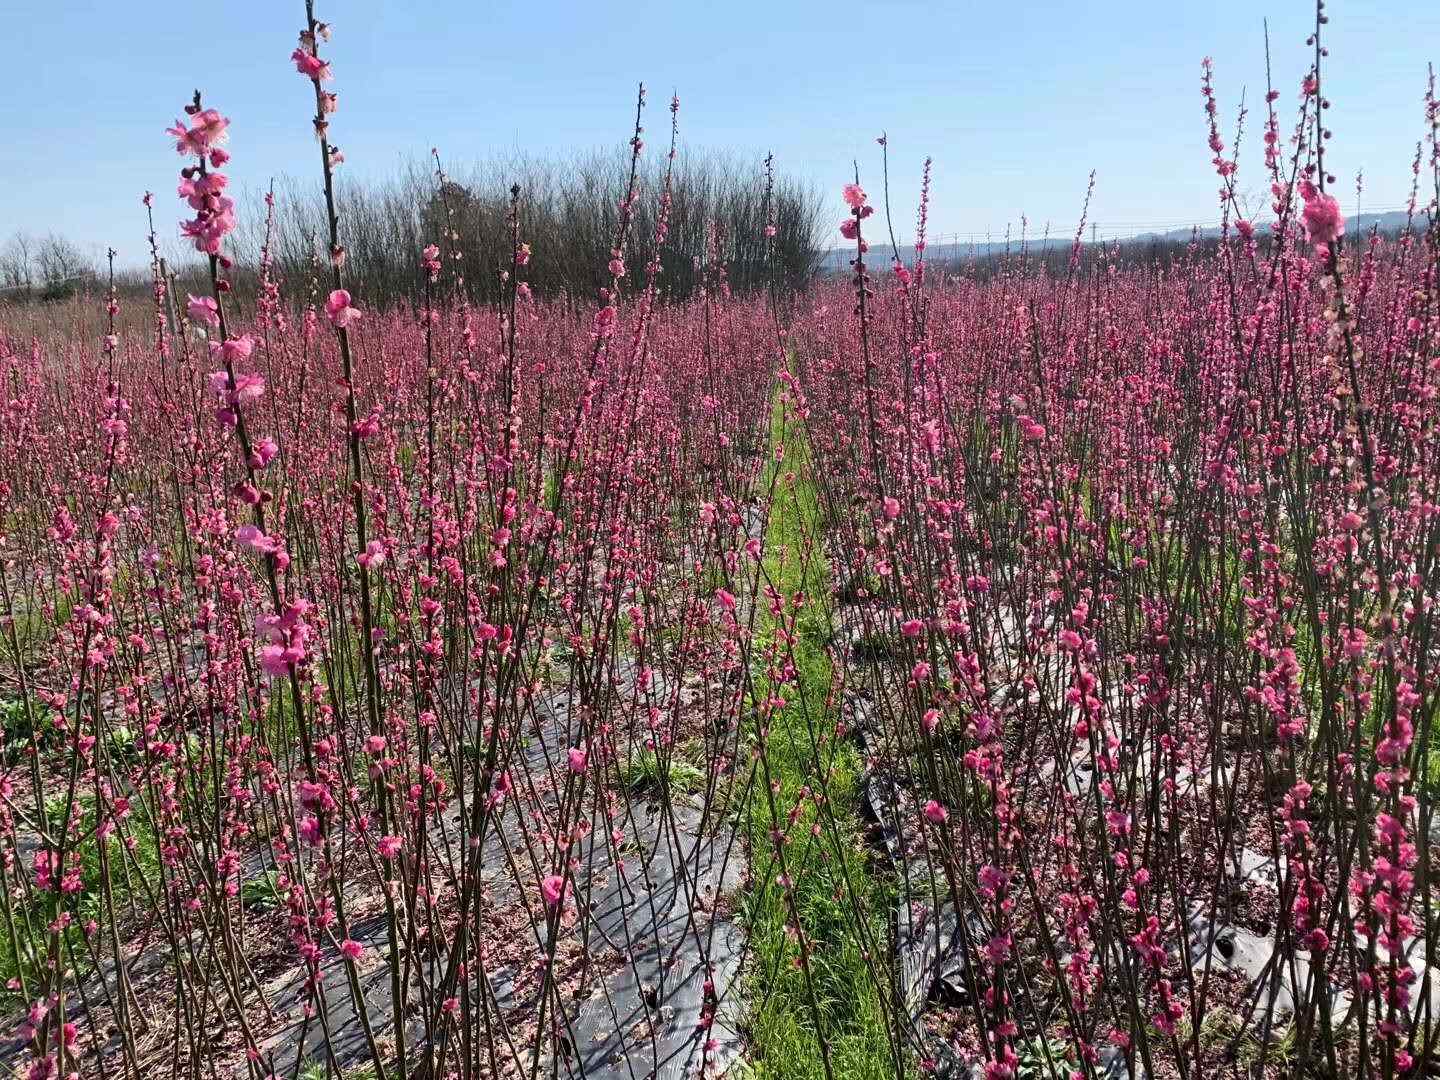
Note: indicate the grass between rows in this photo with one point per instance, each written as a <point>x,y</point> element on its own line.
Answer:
<point>834,892</point>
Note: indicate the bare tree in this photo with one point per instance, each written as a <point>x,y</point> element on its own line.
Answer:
<point>59,260</point>
<point>17,264</point>
<point>568,215</point>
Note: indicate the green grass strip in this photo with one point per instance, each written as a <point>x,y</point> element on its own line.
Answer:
<point>784,1040</point>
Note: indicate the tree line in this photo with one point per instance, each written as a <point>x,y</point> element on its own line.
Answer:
<point>568,210</point>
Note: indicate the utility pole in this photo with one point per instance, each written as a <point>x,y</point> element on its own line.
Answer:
<point>169,295</point>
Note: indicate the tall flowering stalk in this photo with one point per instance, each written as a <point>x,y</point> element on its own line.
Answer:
<point>342,313</point>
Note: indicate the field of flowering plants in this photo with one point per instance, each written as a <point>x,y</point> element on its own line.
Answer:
<point>1022,671</point>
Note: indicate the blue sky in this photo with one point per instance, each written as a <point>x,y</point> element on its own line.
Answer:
<point>1016,102</point>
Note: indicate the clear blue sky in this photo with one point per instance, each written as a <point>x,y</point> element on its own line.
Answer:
<point>1015,101</point>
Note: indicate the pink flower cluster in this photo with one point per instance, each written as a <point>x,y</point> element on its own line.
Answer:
<point>286,636</point>
<point>1324,223</point>
<point>855,198</point>
<point>202,185</point>
<point>340,310</point>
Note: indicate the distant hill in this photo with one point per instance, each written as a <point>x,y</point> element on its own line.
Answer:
<point>1390,222</point>
<point>839,258</point>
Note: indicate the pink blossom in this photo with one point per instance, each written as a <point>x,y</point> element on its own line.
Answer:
<point>316,797</point>
<point>274,662</point>
<point>1324,223</point>
<point>997,949</point>
<point>367,427</point>
<point>209,230</point>
<point>373,555</point>
<point>577,756</point>
<point>854,196</point>
<point>603,324</point>
<point>992,880</point>
<point>389,846</point>
<point>209,130</point>
<point>263,452</point>
<point>203,309</point>
<point>935,813</point>
<point>310,65</point>
<point>552,889</point>
<point>250,536</point>
<point>233,349</point>
<point>339,309</point>
<point>248,388</point>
